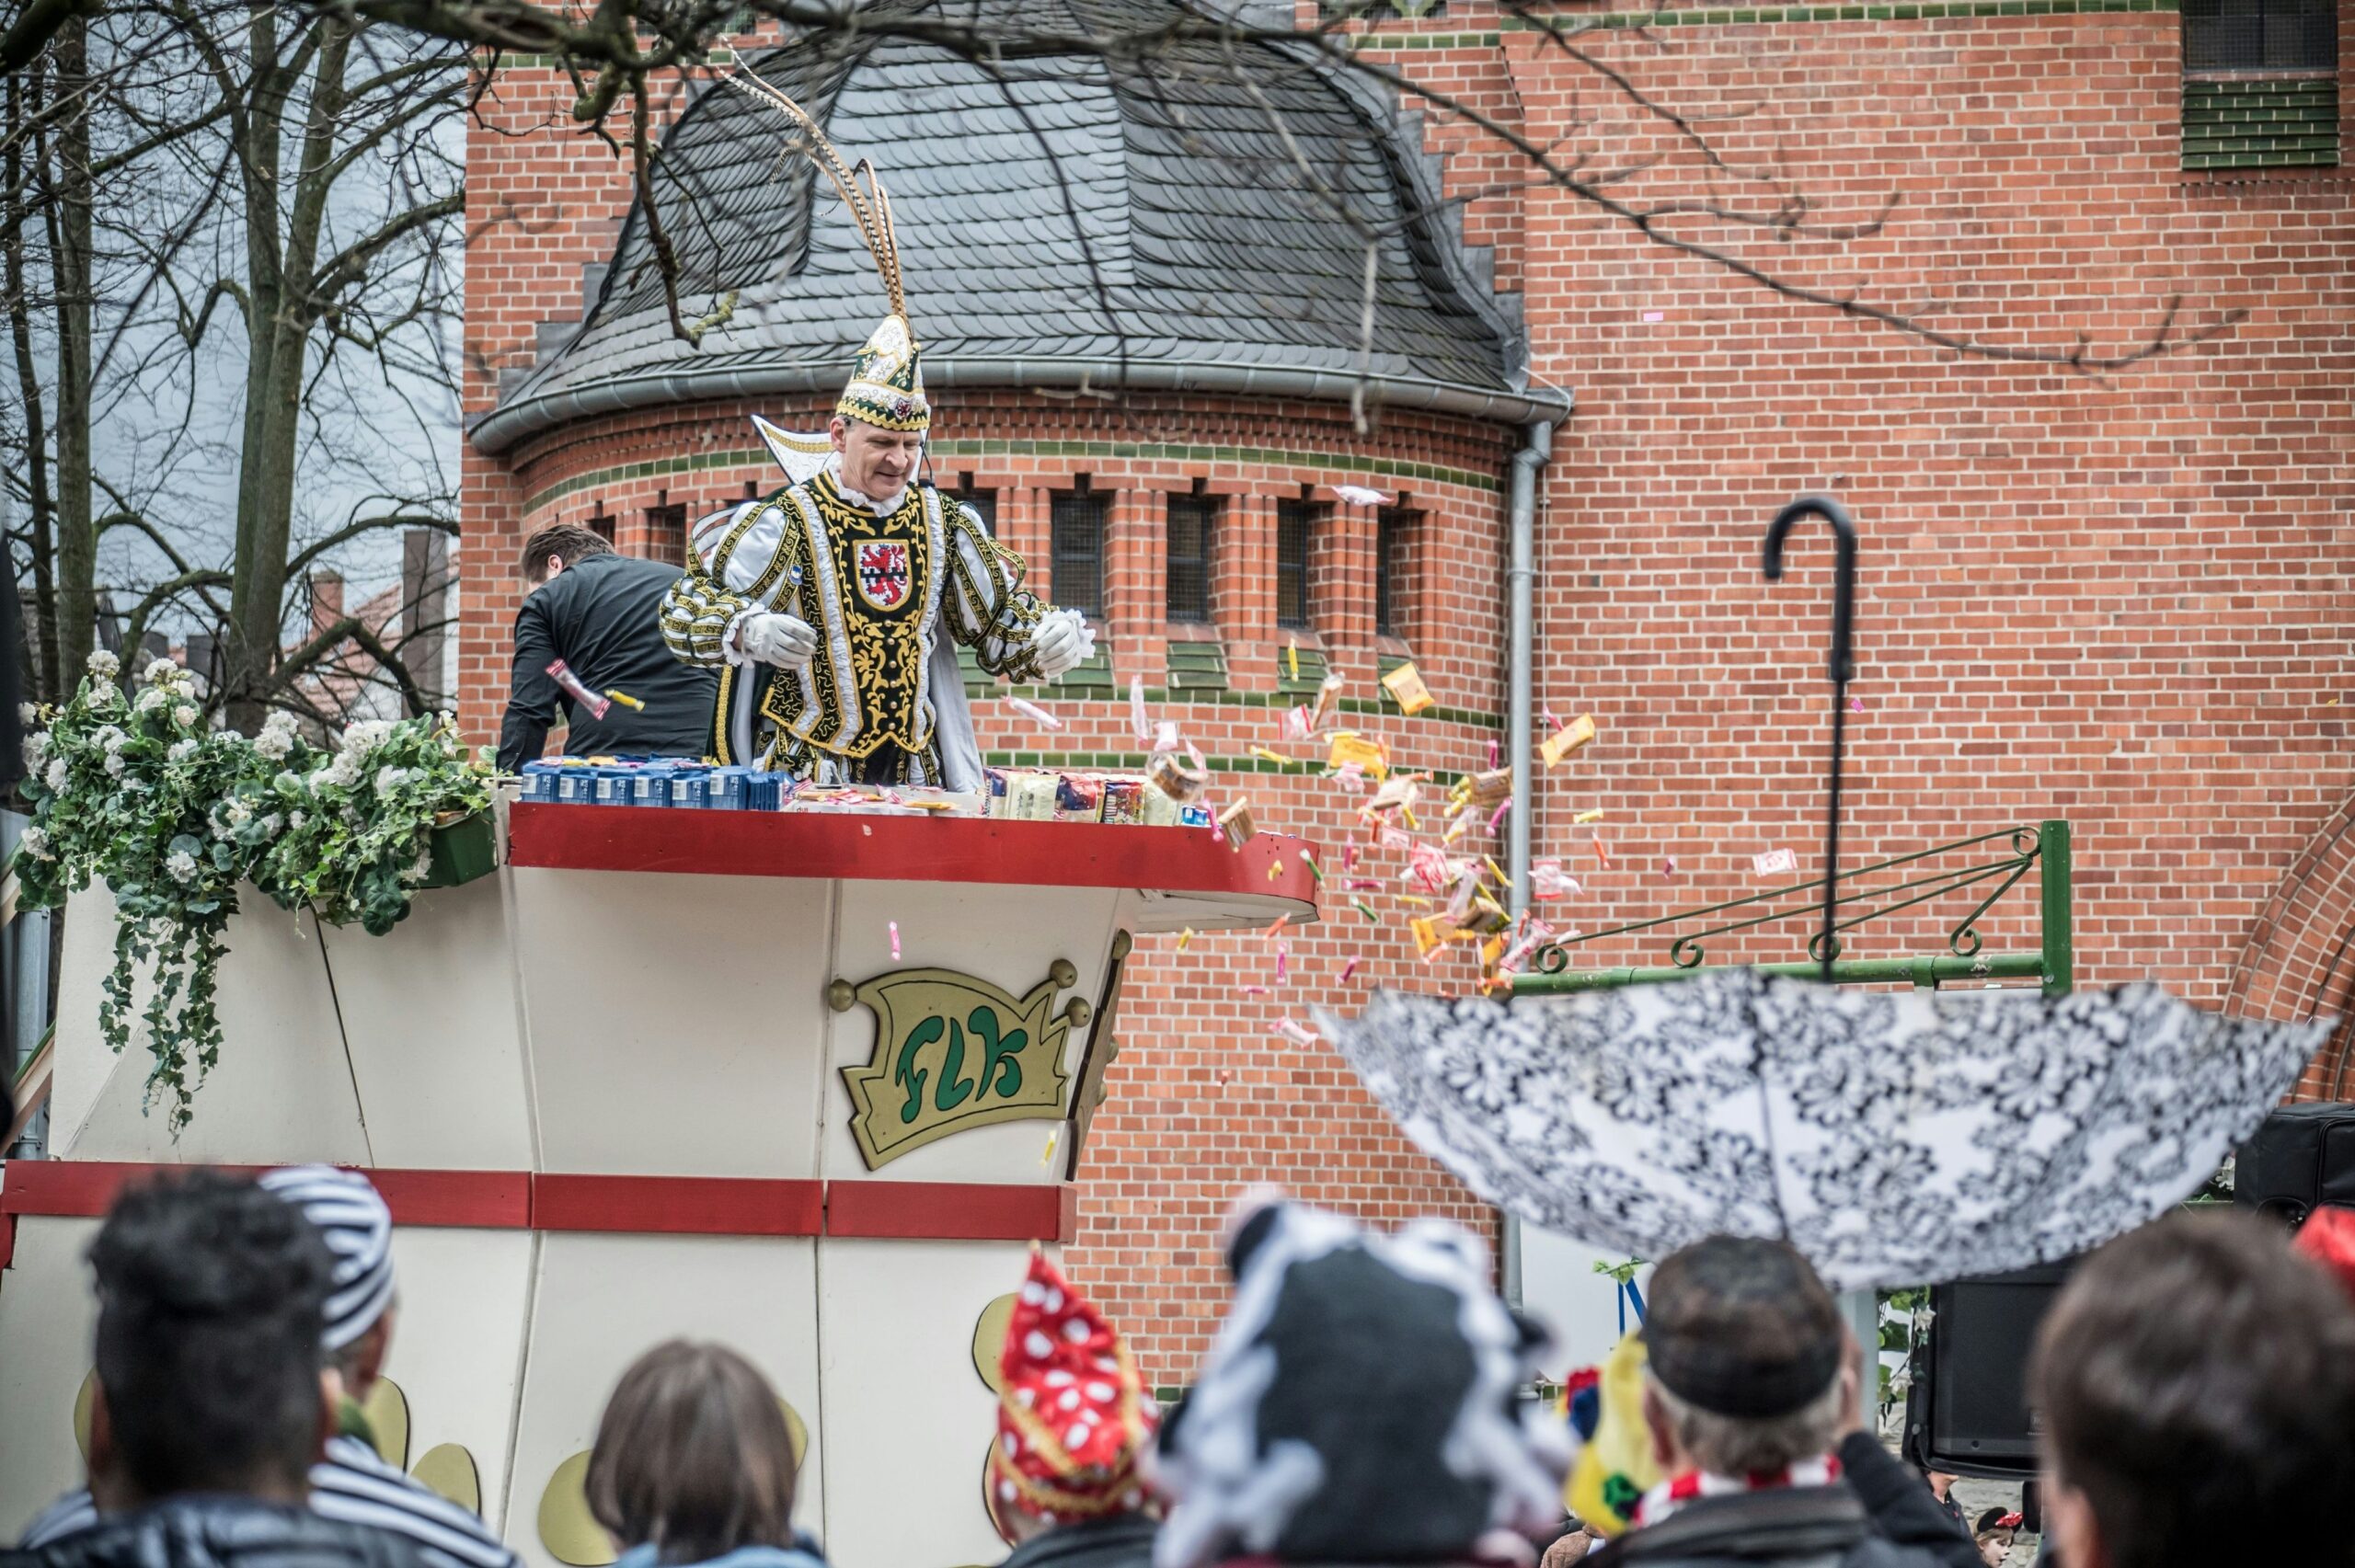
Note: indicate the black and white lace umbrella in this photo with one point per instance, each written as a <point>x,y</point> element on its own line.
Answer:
<point>1894,1138</point>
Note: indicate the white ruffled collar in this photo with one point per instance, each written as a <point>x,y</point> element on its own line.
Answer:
<point>833,470</point>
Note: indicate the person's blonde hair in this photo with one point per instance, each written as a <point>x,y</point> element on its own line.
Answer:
<point>693,1456</point>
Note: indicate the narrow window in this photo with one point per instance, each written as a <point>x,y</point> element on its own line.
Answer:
<point>1394,567</point>
<point>1293,522</point>
<point>1078,551</point>
<point>1192,520</point>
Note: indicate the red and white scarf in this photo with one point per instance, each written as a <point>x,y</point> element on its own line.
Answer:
<point>1692,1485</point>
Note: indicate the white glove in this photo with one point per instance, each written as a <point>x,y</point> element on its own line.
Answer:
<point>767,638</point>
<point>1061,643</point>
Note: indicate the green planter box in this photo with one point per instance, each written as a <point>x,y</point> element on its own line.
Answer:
<point>463,851</point>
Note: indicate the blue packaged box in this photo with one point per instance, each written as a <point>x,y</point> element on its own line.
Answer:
<point>763,791</point>
<point>610,787</point>
<point>723,789</point>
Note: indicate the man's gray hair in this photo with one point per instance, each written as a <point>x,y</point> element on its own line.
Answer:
<point>1732,1445</point>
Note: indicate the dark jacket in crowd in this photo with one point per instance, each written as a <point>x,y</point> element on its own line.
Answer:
<point>1879,1516</point>
<point>601,615</point>
<point>1124,1541</point>
<point>221,1532</point>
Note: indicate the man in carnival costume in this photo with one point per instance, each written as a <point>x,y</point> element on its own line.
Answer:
<point>823,605</point>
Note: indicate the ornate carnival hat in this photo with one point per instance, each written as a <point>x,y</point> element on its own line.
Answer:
<point>887,381</point>
<point>1074,1418</point>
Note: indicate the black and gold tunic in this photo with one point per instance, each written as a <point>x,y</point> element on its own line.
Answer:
<point>877,589</point>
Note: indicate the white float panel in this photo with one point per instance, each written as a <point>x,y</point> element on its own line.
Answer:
<point>1006,935</point>
<point>282,1092</point>
<point>909,1422</point>
<point>458,1344</point>
<point>47,1317</point>
<point>429,1017</point>
<point>1579,1307</point>
<point>603,1300</point>
<point>676,1023</point>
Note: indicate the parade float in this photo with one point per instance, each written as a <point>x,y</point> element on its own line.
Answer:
<point>808,1078</point>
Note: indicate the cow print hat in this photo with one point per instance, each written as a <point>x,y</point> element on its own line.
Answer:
<point>1359,1404</point>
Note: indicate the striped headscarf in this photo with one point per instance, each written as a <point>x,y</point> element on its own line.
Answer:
<point>358,1229</point>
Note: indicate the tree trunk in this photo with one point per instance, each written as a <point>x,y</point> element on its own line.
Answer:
<point>23,104</point>
<point>77,541</point>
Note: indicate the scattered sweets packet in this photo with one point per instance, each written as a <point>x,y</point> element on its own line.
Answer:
<point>575,688</point>
<point>1774,862</point>
<point>1406,687</point>
<point>1237,824</point>
<point>1371,757</point>
<point>1329,699</point>
<point>1568,740</point>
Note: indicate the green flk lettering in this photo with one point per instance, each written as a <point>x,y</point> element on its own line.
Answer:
<point>1001,1066</point>
<point>907,1074</point>
<point>952,1074</point>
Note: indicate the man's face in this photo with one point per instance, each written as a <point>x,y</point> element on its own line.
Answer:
<point>876,462</point>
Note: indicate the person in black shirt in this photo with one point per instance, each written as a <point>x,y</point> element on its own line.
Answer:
<point>601,613</point>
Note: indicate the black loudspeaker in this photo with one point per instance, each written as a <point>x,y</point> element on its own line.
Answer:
<point>1967,1411</point>
<point>2299,1158</point>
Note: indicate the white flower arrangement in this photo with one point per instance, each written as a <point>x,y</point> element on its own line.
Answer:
<point>176,816</point>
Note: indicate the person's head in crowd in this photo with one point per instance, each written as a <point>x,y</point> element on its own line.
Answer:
<point>1993,1534</point>
<point>362,1306</point>
<point>1073,1416</point>
<point>1358,1405</point>
<point>560,544</point>
<point>2328,1238</point>
<point>1748,1370</point>
<point>2195,1383</point>
<point>210,1293</point>
<point>692,1458</point>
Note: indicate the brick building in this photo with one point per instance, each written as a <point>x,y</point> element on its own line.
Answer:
<point>2117,600</point>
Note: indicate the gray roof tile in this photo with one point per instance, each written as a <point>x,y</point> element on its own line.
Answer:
<point>1207,238</point>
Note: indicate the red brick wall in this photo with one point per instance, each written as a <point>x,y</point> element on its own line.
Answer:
<point>2123,601</point>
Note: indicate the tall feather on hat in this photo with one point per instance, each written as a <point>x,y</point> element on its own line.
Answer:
<point>887,382</point>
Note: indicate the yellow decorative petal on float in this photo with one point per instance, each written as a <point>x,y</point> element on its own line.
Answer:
<point>796,1432</point>
<point>566,1529</point>
<point>989,1340</point>
<point>386,1412</point>
<point>448,1472</point>
<point>84,1399</point>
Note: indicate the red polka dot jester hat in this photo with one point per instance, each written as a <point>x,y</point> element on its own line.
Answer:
<point>1072,1415</point>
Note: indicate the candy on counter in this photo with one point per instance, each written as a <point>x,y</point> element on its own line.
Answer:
<point>1123,801</point>
<point>561,673</point>
<point>1567,740</point>
<point>1404,685</point>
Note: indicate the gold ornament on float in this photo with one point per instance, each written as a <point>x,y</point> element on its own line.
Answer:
<point>989,1341</point>
<point>448,1472</point>
<point>386,1411</point>
<point>85,1399</point>
<point>566,1529</point>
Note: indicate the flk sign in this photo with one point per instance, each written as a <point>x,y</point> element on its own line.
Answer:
<point>953,1052</point>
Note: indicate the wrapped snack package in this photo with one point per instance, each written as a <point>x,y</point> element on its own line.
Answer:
<point>561,673</point>
<point>1488,789</point>
<point>1567,740</point>
<point>1404,685</point>
<point>1371,757</point>
<point>1079,797</point>
<point>1177,776</point>
<point>1237,824</point>
<point>1033,796</point>
<point>1329,702</point>
<point>1124,801</point>
<point>1157,809</point>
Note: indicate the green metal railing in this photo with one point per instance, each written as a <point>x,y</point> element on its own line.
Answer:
<point>2043,848</point>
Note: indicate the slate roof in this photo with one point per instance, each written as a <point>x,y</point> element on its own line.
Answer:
<point>1201,249</point>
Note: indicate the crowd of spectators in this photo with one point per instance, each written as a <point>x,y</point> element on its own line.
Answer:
<point>1363,1404</point>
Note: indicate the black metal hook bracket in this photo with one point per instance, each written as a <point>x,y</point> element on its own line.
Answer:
<point>1843,669</point>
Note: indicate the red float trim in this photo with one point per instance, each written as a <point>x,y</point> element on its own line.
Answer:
<point>677,1206</point>
<point>953,1211</point>
<point>907,849</point>
<point>671,1206</point>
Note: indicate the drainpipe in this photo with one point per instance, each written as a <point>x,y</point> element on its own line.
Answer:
<point>1520,578</point>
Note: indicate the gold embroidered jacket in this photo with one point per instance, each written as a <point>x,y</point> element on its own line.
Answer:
<point>877,589</point>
